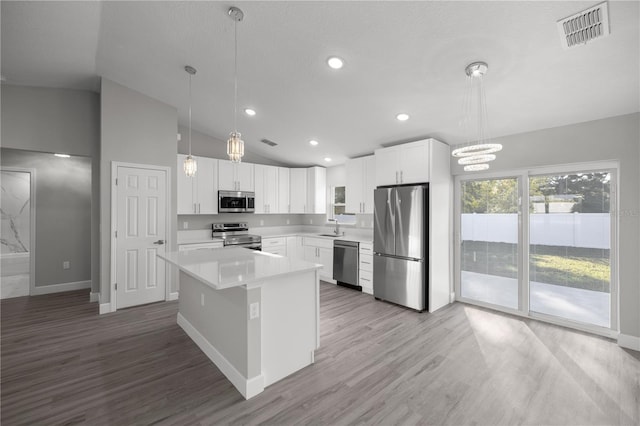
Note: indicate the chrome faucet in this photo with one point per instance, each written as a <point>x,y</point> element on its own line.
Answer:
<point>337,230</point>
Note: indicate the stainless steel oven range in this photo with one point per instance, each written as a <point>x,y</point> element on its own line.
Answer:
<point>236,235</point>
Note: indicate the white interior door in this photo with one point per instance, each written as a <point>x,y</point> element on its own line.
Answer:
<point>141,235</point>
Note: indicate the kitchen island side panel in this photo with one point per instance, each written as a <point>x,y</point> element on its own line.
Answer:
<point>222,320</point>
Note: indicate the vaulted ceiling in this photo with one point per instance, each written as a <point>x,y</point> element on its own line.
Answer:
<point>399,57</point>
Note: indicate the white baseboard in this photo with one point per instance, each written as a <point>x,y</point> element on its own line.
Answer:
<point>58,288</point>
<point>174,295</point>
<point>247,387</point>
<point>94,297</point>
<point>629,342</point>
<point>105,308</point>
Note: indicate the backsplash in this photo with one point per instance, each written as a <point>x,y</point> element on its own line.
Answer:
<point>194,222</point>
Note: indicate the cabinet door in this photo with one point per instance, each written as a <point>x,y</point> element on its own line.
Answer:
<point>244,176</point>
<point>310,254</point>
<point>298,193</point>
<point>387,166</point>
<point>414,162</point>
<point>294,247</point>
<point>186,204</point>
<point>354,190</point>
<point>369,183</point>
<point>326,258</point>
<point>283,190</point>
<point>317,190</point>
<point>226,176</point>
<point>260,189</point>
<point>206,186</point>
<point>271,188</point>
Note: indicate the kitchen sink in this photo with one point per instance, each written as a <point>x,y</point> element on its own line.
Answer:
<point>329,235</point>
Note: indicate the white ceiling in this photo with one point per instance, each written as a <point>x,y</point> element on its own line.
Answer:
<point>399,57</point>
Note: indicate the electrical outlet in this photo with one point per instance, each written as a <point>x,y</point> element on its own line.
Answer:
<point>185,225</point>
<point>201,299</point>
<point>254,310</point>
<point>66,264</point>
<point>310,221</point>
<point>261,222</point>
<point>288,221</point>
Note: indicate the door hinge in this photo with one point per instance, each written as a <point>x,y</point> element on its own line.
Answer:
<point>116,234</point>
<point>116,181</point>
<point>116,286</point>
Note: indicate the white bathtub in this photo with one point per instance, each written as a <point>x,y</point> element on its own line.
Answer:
<point>14,274</point>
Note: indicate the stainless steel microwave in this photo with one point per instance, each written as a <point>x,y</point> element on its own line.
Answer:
<point>236,202</point>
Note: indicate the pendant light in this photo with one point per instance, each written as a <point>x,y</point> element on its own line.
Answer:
<point>235,145</point>
<point>474,156</point>
<point>190,165</point>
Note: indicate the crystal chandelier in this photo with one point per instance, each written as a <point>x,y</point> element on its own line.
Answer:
<point>190,165</point>
<point>235,145</point>
<point>475,156</point>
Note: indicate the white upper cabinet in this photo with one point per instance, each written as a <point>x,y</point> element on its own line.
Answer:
<point>360,184</point>
<point>235,176</point>
<point>198,194</point>
<point>266,189</point>
<point>298,190</point>
<point>283,190</point>
<point>316,190</point>
<point>403,164</point>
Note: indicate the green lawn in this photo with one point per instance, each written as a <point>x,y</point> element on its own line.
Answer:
<point>567,266</point>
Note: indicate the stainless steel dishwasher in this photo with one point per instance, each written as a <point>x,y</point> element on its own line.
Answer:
<point>345,263</point>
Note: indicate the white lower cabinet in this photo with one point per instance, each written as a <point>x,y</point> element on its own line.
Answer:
<point>320,250</point>
<point>366,267</point>
<point>275,245</point>
<point>294,247</point>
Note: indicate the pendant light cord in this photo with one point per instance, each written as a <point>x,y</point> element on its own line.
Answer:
<point>235,77</point>
<point>190,113</point>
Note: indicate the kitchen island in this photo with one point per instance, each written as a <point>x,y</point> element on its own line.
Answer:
<point>256,315</point>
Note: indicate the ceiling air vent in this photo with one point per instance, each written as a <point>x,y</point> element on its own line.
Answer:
<point>268,142</point>
<point>584,26</point>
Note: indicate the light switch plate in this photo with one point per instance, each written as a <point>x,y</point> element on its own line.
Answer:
<point>66,264</point>
<point>254,310</point>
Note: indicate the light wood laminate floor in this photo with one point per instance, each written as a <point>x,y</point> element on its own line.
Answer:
<point>62,363</point>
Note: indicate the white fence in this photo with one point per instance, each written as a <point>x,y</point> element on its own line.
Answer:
<point>554,229</point>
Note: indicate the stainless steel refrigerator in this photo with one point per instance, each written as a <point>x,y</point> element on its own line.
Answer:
<point>400,245</point>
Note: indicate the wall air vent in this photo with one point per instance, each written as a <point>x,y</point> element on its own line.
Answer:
<point>268,142</point>
<point>585,26</point>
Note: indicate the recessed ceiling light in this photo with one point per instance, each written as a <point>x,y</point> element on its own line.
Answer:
<point>62,155</point>
<point>313,143</point>
<point>335,62</point>
<point>327,159</point>
<point>250,112</point>
<point>402,116</point>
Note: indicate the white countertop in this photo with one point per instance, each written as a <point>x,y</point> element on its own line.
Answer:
<point>204,236</point>
<point>358,238</point>
<point>231,267</point>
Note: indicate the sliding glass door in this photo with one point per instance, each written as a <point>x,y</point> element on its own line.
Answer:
<point>552,257</point>
<point>489,241</point>
<point>569,246</point>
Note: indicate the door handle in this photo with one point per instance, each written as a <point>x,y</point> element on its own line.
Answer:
<point>159,242</point>
<point>396,177</point>
<point>400,176</point>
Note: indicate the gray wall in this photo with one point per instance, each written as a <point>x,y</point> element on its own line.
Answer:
<point>134,129</point>
<point>57,120</point>
<point>63,214</point>
<point>616,138</point>
<point>208,146</point>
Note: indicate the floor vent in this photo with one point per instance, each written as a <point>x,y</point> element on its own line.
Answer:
<point>585,26</point>
<point>268,142</point>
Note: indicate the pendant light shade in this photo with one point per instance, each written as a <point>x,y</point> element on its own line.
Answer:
<point>474,155</point>
<point>235,145</point>
<point>190,166</point>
